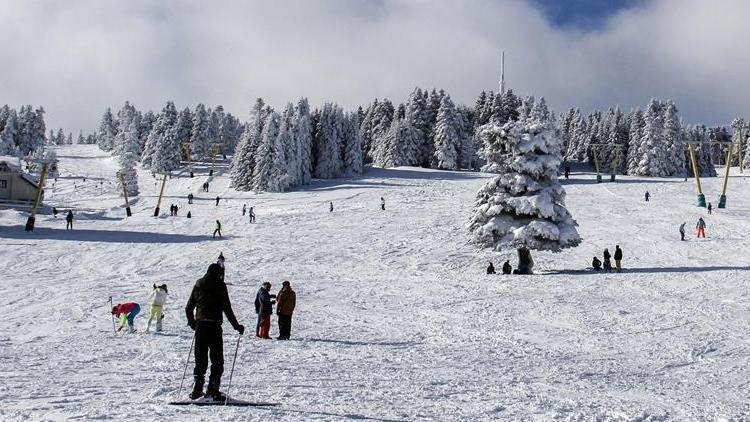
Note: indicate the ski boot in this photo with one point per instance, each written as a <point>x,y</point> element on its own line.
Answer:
<point>197,389</point>
<point>213,392</point>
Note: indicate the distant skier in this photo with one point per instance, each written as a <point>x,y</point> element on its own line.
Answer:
<point>189,215</point>
<point>264,309</point>
<point>171,210</point>
<point>710,208</point>
<point>69,220</point>
<point>217,201</point>
<point>597,264</point>
<point>126,312</point>
<point>217,228</point>
<point>607,261</point>
<point>525,263</point>
<point>54,212</point>
<point>567,172</point>
<point>208,301</point>
<point>176,209</point>
<point>682,231</point>
<point>286,300</point>
<point>618,258</point>
<point>491,269</point>
<point>648,195</point>
<point>507,268</point>
<point>158,297</point>
<point>244,209</point>
<point>252,215</point>
<point>382,203</point>
<point>701,227</point>
<point>330,208</point>
<point>190,198</point>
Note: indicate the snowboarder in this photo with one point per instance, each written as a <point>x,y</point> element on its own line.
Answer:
<point>264,309</point>
<point>217,228</point>
<point>286,300</point>
<point>382,203</point>
<point>648,195</point>
<point>208,301</point>
<point>252,215</point>
<point>525,263</point>
<point>701,226</point>
<point>682,231</point>
<point>607,261</point>
<point>618,258</point>
<point>597,264</point>
<point>710,208</point>
<point>567,172</point>
<point>126,312</point>
<point>507,268</point>
<point>158,297</point>
<point>244,209</point>
<point>491,269</point>
<point>217,201</point>
<point>69,220</point>
<point>330,208</point>
<point>190,198</point>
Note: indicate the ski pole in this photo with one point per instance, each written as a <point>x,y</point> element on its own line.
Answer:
<point>232,371</point>
<point>179,393</point>
<point>114,326</point>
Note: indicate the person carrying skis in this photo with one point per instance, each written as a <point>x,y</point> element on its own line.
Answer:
<point>618,258</point>
<point>682,231</point>
<point>597,264</point>
<point>507,268</point>
<point>701,227</point>
<point>209,299</point>
<point>648,195</point>
<point>217,228</point>
<point>126,312</point>
<point>69,220</point>
<point>264,309</point>
<point>252,215</point>
<point>710,208</point>
<point>286,300</point>
<point>491,269</point>
<point>607,261</point>
<point>158,297</point>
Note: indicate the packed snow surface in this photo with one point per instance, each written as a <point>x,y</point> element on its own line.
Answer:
<point>395,317</point>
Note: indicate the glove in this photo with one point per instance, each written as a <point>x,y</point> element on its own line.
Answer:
<point>241,329</point>
<point>191,324</point>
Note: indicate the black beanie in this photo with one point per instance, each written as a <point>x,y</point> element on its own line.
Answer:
<point>214,271</point>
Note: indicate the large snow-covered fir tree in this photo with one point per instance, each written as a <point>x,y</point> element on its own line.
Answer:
<point>200,141</point>
<point>447,139</point>
<point>107,131</point>
<point>328,163</point>
<point>352,155</point>
<point>184,128</point>
<point>303,132</point>
<point>675,146</point>
<point>127,157</point>
<point>652,155</point>
<point>524,206</point>
<point>244,159</point>
<point>288,143</point>
<point>269,167</point>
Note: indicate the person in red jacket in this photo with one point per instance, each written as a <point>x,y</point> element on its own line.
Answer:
<point>126,312</point>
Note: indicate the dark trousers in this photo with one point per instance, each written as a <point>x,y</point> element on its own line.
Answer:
<point>257,326</point>
<point>285,326</point>
<point>682,235</point>
<point>209,343</point>
<point>69,225</point>
<point>217,231</point>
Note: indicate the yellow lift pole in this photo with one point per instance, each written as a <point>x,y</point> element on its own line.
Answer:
<point>696,172</point>
<point>32,218</point>
<point>723,197</point>
<point>161,193</point>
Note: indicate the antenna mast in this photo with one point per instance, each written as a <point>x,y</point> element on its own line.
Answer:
<point>502,72</point>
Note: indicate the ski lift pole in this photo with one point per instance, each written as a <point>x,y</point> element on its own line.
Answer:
<point>186,147</point>
<point>696,173</point>
<point>161,193</point>
<point>128,213</point>
<point>596,164</point>
<point>723,197</point>
<point>32,218</point>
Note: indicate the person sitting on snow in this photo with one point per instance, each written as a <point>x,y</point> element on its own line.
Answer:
<point>491,269</point>
<point>597,264</point>
<point>507,268</point>
<point>158,297</point>
<point>126,312</point>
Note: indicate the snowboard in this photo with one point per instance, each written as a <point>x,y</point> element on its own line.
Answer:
<point>230,402</point>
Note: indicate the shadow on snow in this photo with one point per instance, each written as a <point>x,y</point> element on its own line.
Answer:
<point>649,270</point>
<point>107,236</point>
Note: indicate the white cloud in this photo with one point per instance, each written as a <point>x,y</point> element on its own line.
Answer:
<point>77,57</point>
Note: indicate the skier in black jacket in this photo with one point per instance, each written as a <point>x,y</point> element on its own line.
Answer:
<point>205,310</point>
<point>264,309</point>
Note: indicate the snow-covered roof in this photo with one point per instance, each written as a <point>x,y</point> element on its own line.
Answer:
<point>14,163</point>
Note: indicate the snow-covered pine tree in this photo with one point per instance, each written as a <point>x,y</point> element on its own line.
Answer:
<point>146,124</point>
<point>737,124</point>
<point>69,139</point>
<point>328,163</point>
<point>8,134</point>
<point>447,138</point>
<point>672,134</point>
<point>524,207</point>
<point>417,152</point>
<point>125,117</point>
<point>184,129</point>
<point>59,138</point>
<point>267,169</point>
<point>289,143</point>
<point>107,131</point>
<point>81,140</point>
<point>244,160</point>
<point>352,145</point>
<point>467,148</point>
<point>653,153</point>
<point>635,139</point>
<point>128,156</point>
<point>366,131</point>
<point>303,132</point>
<point>200,141</point>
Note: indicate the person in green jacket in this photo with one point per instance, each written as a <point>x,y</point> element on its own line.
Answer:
<point>217,228</point>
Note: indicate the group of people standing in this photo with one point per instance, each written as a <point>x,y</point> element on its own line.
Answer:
<point>596,263</point>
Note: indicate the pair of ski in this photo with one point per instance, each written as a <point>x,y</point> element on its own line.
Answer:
<point>207,401</point>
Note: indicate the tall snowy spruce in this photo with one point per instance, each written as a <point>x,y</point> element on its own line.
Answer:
<point>270,169</point>
<point>107,131</point>
<point>352,145</point>
<point>200,141</point>
<point>328,163</point>
<point>244,160</point>
<point>447,139</point>
<point>303,132</point>
<point>524,206</point>
<point>127,157</point>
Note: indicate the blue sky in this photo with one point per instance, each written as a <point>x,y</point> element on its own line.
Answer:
<point>583,14</point>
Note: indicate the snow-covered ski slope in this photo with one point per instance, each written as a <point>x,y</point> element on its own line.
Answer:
<point>396,319</point>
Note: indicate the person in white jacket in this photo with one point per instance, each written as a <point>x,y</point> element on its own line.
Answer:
<point>158,296</point>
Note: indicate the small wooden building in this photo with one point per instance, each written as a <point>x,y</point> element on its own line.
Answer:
<point>15,185</point>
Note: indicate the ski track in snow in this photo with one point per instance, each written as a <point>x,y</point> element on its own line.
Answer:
<point>396,319</point>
